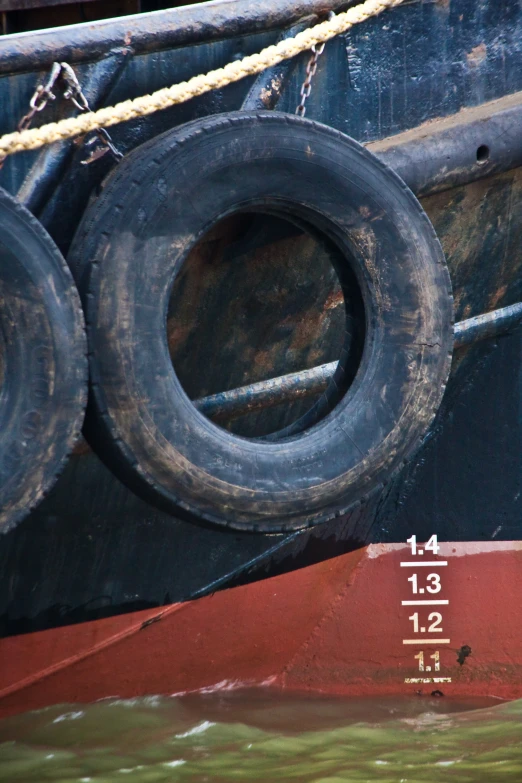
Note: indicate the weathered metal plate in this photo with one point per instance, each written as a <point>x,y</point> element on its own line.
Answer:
<point>256,299</point>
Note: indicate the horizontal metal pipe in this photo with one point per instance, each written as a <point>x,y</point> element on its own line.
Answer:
<point>265,394</point>
<point>306,383</point>
<point>453,151</point>
<point>487,325</point>
<point>154,31</point>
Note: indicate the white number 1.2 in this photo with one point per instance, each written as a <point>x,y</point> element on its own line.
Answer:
<point>435,618</point>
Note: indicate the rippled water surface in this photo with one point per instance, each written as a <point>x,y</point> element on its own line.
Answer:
<point>263,736</point>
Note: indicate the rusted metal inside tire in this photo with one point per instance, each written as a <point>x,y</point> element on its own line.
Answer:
<point>261,293</point>
<point>131,245</point>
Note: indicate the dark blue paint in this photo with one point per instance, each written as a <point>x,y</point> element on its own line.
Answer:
<point>93,548</point>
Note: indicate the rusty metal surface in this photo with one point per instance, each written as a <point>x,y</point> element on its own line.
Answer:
<point>309,383</point>
<point>468,476</point>
<point>480,229</point>
<point>486,270</point>
<point>472,144</point>
<point>153,32</point>
<point>256,299</point>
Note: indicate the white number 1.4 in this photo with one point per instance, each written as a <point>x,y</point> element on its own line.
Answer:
<point>430,546</point>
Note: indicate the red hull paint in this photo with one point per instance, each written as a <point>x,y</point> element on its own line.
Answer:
<point>336,627</point>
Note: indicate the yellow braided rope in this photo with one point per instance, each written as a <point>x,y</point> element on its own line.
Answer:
<point>179,93</point>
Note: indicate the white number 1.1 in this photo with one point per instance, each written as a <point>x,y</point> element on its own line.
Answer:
<point>435,658</point>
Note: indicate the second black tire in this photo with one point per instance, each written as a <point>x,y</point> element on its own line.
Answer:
<point>43,363</point>
<point>131,245</point>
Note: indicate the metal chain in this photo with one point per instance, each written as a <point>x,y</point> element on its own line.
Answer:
<point>311,68</point>
<point>42,95</point>
<point>73,92</point>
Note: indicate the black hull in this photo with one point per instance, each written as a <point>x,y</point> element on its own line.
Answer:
<point>93,549</point>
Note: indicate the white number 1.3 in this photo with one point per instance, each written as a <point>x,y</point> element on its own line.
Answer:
<point>434,587</point>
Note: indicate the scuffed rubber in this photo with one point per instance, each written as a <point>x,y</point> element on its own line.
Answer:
<point>131,244</point>
<point>43,363</point>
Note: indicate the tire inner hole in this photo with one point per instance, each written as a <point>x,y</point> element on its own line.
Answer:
<point>258,297</point>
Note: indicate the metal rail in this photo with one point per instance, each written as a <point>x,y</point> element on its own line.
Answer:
<point>306,383</point>
<point>467,146</point>
<point>155,31</point>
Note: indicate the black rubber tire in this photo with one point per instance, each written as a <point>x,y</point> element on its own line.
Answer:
<point>132,243</point>
<point>43,362</point>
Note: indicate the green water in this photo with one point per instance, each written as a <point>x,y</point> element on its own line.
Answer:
<point>263,736</point>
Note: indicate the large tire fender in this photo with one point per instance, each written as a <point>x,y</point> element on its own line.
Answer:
<point>43,363</point>
<point>127,253</point>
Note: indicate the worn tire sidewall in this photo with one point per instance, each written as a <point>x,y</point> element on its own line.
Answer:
<point>150,215</point>
<point>44,385</point>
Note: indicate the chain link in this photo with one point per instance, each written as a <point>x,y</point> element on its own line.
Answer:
<point>42,95</point>
<point>311,68</point>
<point>73,92</point>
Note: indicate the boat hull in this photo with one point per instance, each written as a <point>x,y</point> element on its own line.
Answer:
<point>104,595</point>
<point>335,627</point>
